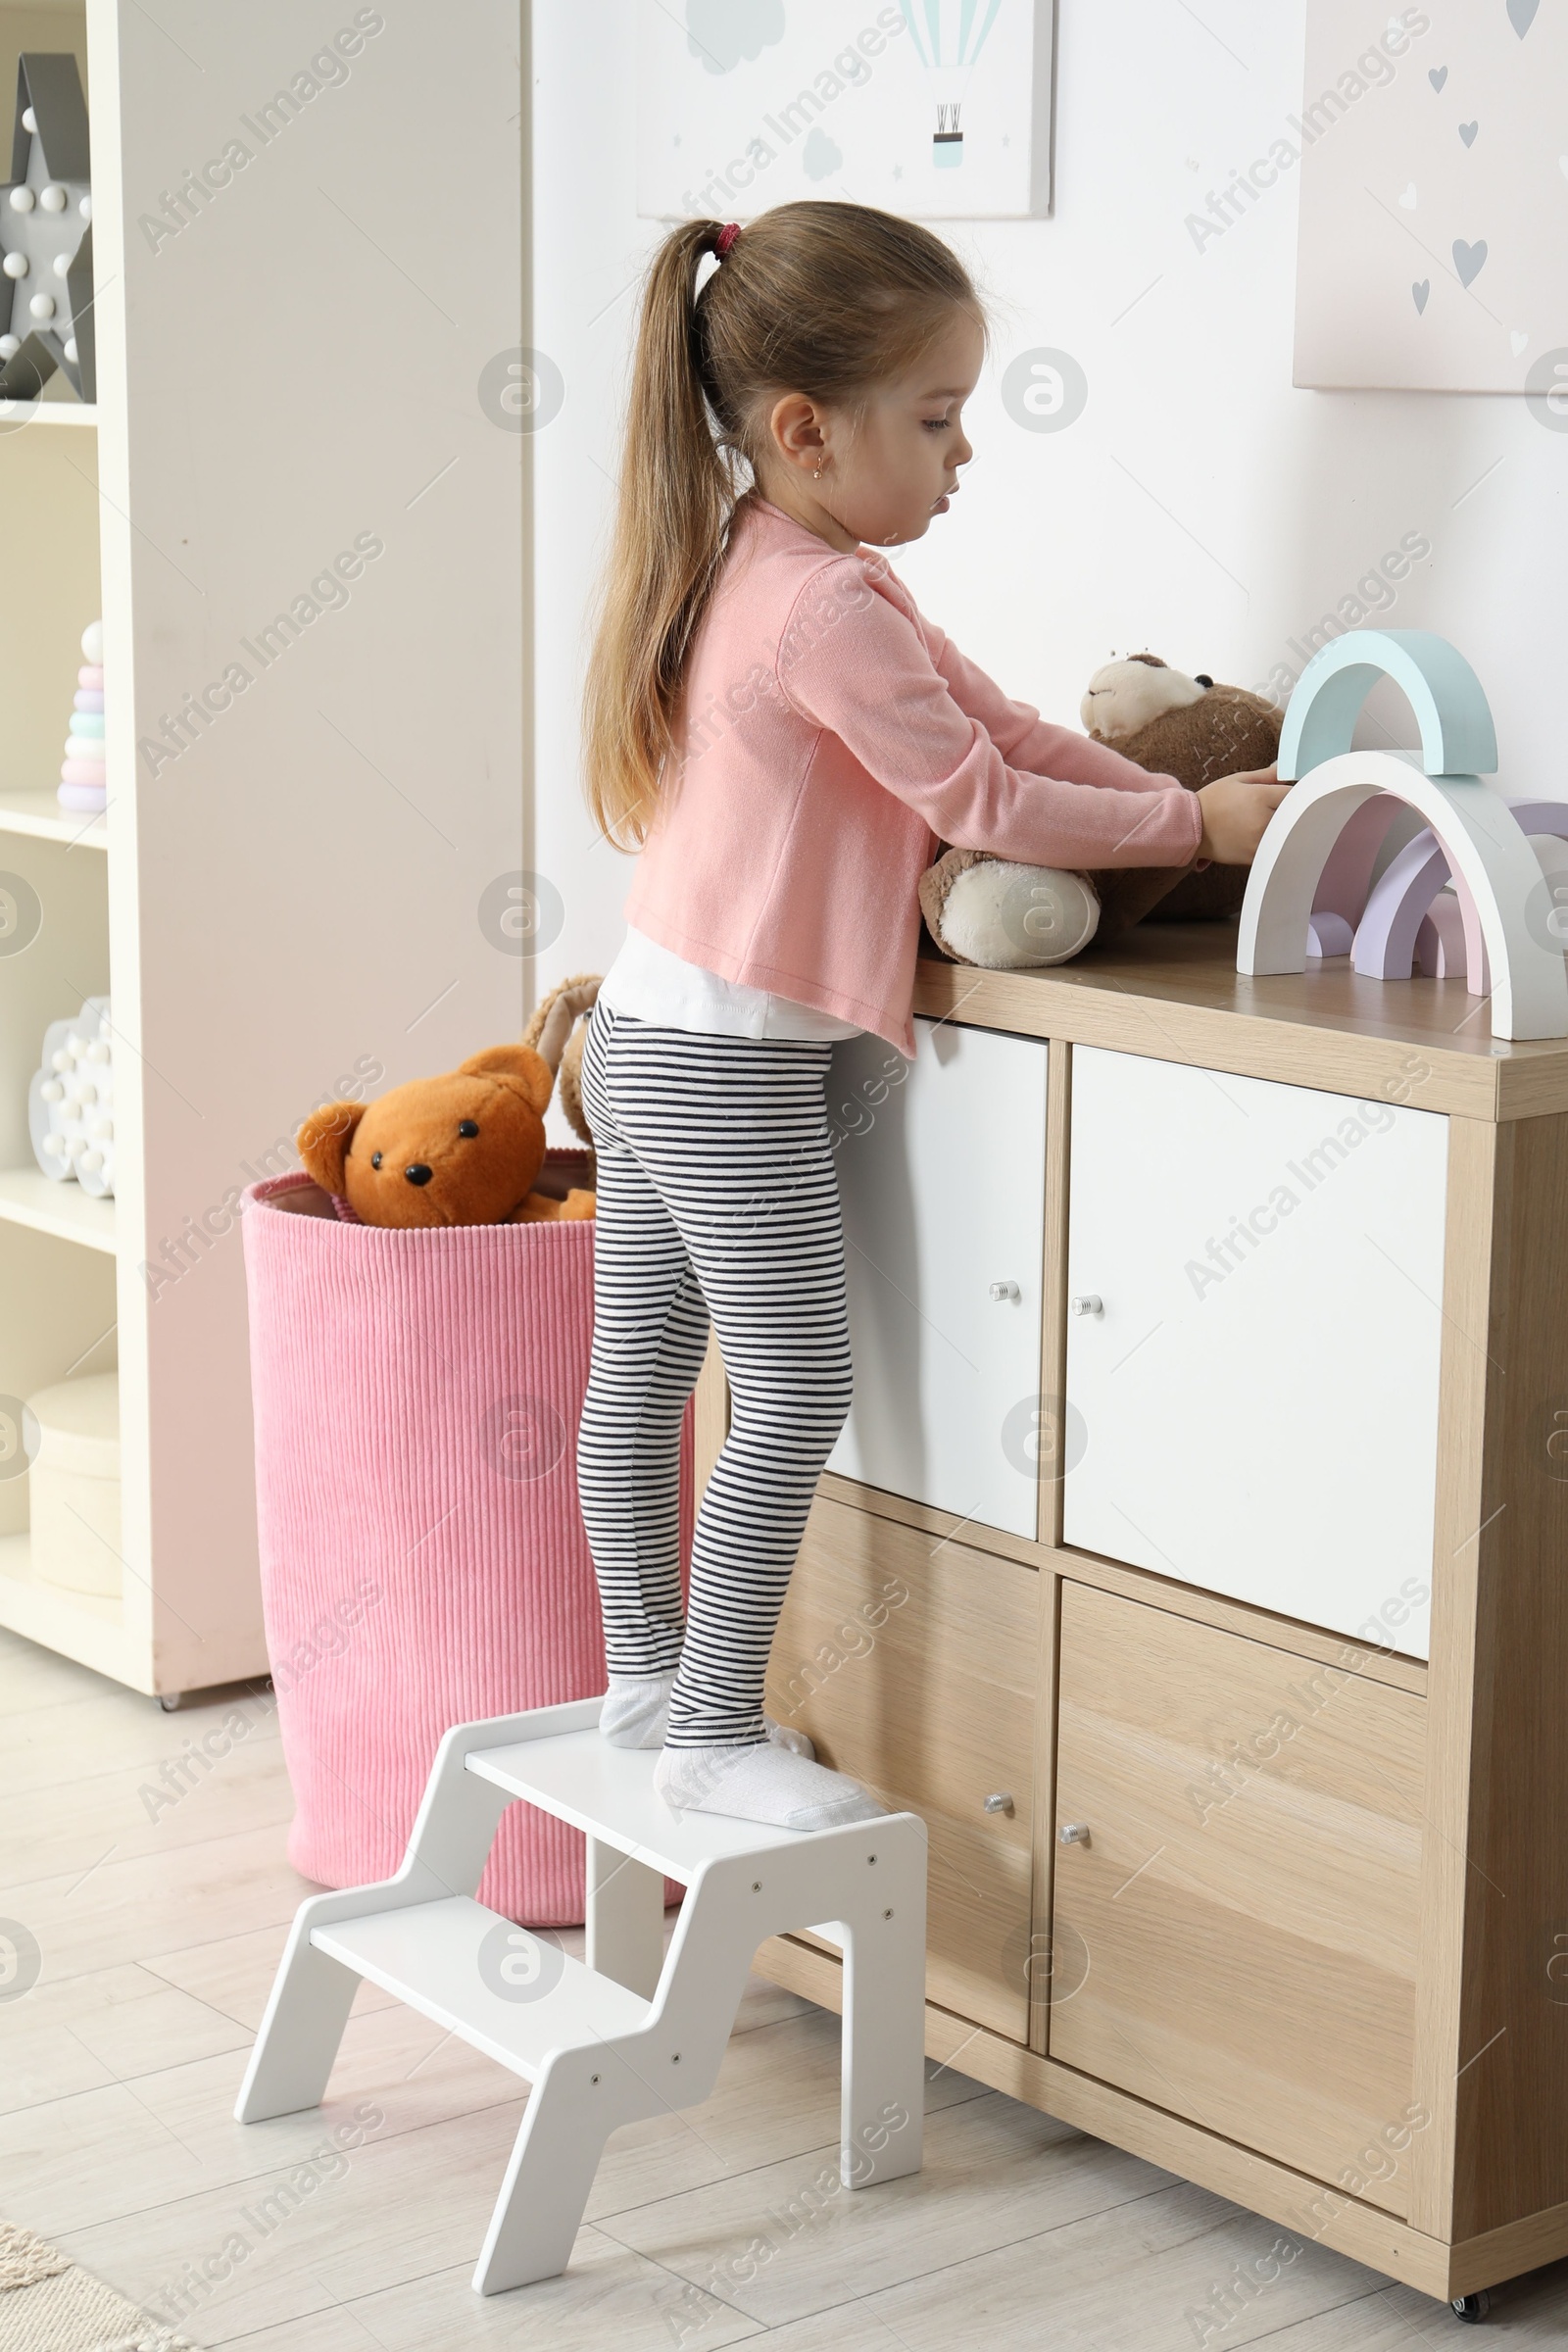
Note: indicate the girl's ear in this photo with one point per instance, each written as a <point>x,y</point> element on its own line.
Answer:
<point>794,424</point>
<point>322,1142</point>
<point>533,1077</point>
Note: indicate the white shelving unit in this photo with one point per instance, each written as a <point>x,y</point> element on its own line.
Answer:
<point>287,898</point>
<point>57,1246</point>
<point>29,1197</point>
<point>53,408</point>
<point>39,816</point>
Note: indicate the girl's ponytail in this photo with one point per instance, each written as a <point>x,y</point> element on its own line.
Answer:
<point>817,297</point>
<point>677,492</point>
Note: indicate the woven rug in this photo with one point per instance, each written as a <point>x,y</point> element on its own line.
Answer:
<point>48,2305</point>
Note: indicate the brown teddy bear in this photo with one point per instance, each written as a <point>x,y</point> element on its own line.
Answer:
<point>992,912</point>
<point>465,1147</point>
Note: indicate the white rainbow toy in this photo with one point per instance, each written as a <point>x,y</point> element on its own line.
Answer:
<point>1312,889</point>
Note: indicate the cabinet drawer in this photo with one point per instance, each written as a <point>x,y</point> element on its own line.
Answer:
<point>1255,1406</point>
<point>913,1668</point>
<point>1237,1939</point>
<point>942,1171</point>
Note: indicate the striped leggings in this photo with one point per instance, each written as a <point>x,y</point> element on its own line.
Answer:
<point>717,1194</point>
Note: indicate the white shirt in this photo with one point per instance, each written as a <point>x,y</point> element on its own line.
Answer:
<point>648,983</point>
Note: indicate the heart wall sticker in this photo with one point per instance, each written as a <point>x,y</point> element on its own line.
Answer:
<point>1459,152</point>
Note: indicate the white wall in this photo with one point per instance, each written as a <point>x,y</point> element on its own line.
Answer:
<point>1201,506</point>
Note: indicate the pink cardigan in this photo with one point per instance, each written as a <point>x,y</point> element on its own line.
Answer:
<point>832,737</point>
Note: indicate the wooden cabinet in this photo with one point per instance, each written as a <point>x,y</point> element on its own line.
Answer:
<point>1252,1405</point>
<point>1308,1954</point>
<point>941,1169</point>
<point>912,1665</point>
<point>1236,1937</point>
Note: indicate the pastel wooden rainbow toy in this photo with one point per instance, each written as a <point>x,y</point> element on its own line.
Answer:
<point>1311,890</point>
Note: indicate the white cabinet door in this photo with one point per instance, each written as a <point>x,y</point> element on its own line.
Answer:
<point>942,1170</point>
<point>1254,1406</point>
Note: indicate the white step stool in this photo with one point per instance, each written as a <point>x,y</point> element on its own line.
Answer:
<point>635,2033</point>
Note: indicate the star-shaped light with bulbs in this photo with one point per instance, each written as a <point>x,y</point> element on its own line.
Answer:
<point>45,236</point>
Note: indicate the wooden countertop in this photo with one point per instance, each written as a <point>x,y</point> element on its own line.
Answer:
<point>1172,990</point>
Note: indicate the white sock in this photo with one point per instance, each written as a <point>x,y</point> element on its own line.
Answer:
<point>636,1710</point>
<point>784,1734</point>
<point>766,1783</point>
<point>636,1714</point>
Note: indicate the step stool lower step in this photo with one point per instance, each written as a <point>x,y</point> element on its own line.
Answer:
<point>514,1996</point>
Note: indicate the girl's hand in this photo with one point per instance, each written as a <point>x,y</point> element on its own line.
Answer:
<point>1236,814</point>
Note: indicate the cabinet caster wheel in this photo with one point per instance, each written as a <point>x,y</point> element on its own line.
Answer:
<point>170,1701</point>
<point>1472,2308</point>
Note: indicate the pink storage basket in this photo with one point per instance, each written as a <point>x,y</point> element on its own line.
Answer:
<point>423,1563</point>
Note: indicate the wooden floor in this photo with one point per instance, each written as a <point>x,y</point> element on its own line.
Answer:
<point>720,2225</point>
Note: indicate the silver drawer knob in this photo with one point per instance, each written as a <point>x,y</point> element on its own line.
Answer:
<point>1005,1289</point>
<point>999,1802</point>
<point>1088,1303</point>
<point>1073,1833</point>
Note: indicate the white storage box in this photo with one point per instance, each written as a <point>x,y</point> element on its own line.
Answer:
<point>74,1483</point>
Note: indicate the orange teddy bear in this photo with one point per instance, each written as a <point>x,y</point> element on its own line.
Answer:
<point>465,1147</point>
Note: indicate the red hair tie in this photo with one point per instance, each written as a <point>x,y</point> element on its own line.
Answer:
<point>725,238</point>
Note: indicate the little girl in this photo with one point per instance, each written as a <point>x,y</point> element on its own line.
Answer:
<point>770,715</point>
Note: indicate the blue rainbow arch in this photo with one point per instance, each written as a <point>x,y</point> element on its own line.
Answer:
<point>1451,710</point>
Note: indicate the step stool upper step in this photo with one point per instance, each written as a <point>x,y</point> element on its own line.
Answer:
<point>513,1995</point>
<point>608,1791</point>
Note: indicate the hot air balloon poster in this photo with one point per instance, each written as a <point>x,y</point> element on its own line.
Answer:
<point>939,108</point>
